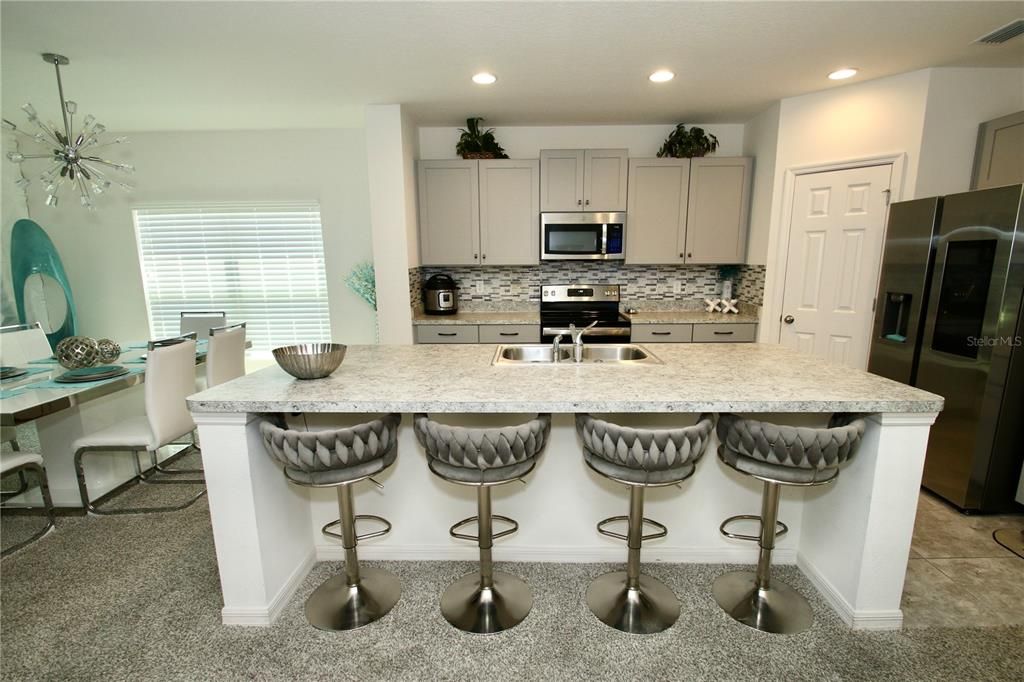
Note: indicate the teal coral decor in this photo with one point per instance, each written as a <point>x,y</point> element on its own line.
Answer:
<point>33,254</point>
<point>363,282</point>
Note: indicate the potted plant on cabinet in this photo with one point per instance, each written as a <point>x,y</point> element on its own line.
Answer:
<point>685,144</point>
<point>475,143</point>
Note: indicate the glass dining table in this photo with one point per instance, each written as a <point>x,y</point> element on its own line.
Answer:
<point>63,412</point>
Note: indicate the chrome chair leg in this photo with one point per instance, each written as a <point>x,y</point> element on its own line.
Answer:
<point>44,489</point>
<point>488,601</point>
<point>628,600</point>
<point>360,596</point>
<point>22,487</point>
<point>83,490</point>
<point>158,466</point>
<point>755,598</point>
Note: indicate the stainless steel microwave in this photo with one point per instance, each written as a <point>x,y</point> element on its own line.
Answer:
<point>583,236</point>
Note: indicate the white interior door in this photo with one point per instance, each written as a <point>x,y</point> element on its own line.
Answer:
<point>835,250</point>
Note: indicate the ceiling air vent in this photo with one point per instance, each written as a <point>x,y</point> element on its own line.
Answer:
<point>1003,33</point>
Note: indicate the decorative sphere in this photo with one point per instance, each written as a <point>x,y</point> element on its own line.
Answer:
<point>109,351</point>
<point>77,351</point>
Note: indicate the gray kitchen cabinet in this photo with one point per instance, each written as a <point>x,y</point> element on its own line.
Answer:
<point>718,210</point>
<point>509,212</point>
<point>999,156</point>
<point>509,333</point>
<point>447,333</point>
<point>561,179</point>
<point>583,179</point>
<point>726,332</point>
<point>449,207</point>
<point>479,212</point>
<point>656,231</point>
<point>661,333</point>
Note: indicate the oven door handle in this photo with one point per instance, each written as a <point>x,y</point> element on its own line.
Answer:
<point>596,331</point>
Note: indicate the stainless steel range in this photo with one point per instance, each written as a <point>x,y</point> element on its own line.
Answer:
<point>582,305</point>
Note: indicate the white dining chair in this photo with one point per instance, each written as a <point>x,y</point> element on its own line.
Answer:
<point>201,321</point>
<point>225,354</point>
<point>21,463</point>
<point>20,343</point>
<point>170,371</point>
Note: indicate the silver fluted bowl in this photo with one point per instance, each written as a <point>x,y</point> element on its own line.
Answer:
<point>310,360</point>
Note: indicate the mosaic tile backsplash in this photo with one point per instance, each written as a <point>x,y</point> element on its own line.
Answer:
<point>649,287</point>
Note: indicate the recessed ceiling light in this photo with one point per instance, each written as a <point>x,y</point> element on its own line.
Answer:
<point>842,74</point>
<point>484,78</point>
<point>661,76</point>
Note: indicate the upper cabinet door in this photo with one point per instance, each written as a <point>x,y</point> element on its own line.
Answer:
<point>656,219</point>
<point>449,212</point>
<point>719,207</point>
<point>561,176</point>
<point>999,157</point>
<point>510,212</point>
<point>604,181</point>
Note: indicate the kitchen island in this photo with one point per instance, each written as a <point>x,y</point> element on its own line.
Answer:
<point>852,538</point>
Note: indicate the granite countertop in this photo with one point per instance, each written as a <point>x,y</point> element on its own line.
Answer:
<point>695,377</point>
<point>489,317</point>
<point>692,317</point>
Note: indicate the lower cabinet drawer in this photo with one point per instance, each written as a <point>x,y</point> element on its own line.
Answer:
<point>447,333</point>
<point>737,332</point>
<point>665,333</point>
<point>509,333</point>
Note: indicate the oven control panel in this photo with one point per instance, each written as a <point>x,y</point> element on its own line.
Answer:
<point>579,292</point>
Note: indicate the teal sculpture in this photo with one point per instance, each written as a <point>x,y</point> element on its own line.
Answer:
<point>32,253</point>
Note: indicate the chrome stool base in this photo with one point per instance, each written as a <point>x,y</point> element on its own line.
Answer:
<point>338,606</point>
<point>777,608</point>
<point>472,608</point>
<point>649,608</point>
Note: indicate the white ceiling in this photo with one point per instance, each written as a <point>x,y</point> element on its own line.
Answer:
<point>242,65</point>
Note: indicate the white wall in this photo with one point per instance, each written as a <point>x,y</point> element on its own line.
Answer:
<point>525,142</point>
<point>99,248</point>
<point>760,140</point>
<point>12,208</point>
<point>391,155</point>
<point>873,118</point>
<point>959,99</point>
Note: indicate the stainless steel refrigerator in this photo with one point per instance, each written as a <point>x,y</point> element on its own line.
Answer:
<point>948,319</point>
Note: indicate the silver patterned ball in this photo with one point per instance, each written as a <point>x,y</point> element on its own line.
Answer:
<point>109,351</point>
<point>77,351</point>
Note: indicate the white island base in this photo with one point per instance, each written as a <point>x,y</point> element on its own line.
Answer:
<point>851,538</point>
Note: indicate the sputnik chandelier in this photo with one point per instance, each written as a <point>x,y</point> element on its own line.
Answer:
<point>73,157</point>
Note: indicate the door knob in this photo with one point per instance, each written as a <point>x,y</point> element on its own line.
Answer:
<point>789,319</point>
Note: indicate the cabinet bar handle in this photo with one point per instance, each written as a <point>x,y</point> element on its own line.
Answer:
<point>508,333</point>
<point>664,333</point>
<point>579,202</point>
<point>723,333</point>
<point>456,333</point>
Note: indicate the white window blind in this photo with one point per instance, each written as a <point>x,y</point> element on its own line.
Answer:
<point>261,264</point>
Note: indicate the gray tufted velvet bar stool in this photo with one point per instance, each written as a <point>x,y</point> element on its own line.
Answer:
<point>488,601</point>
<point>777,455</point>
<point>640,458</point>
<point>337,458</point>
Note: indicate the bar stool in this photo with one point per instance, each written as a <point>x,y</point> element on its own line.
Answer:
<point>488,601</point>
<point>22,463</point>
<point>777,455</point>
<point>640,458</point>
<point>339,458</point>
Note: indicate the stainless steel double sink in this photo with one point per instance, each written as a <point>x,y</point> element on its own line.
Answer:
<point>542,354</point>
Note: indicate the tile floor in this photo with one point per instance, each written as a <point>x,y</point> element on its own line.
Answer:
<point>958,576</point>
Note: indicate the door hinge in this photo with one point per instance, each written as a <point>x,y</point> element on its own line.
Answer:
<point>888,195</point>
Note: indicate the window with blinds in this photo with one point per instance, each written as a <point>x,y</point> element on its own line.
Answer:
<point>261,264</point>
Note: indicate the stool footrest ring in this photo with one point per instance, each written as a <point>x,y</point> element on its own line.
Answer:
<point>660,533</point>
<point>780,528</point>
<point>359,517</point>
<point>514,526</point>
